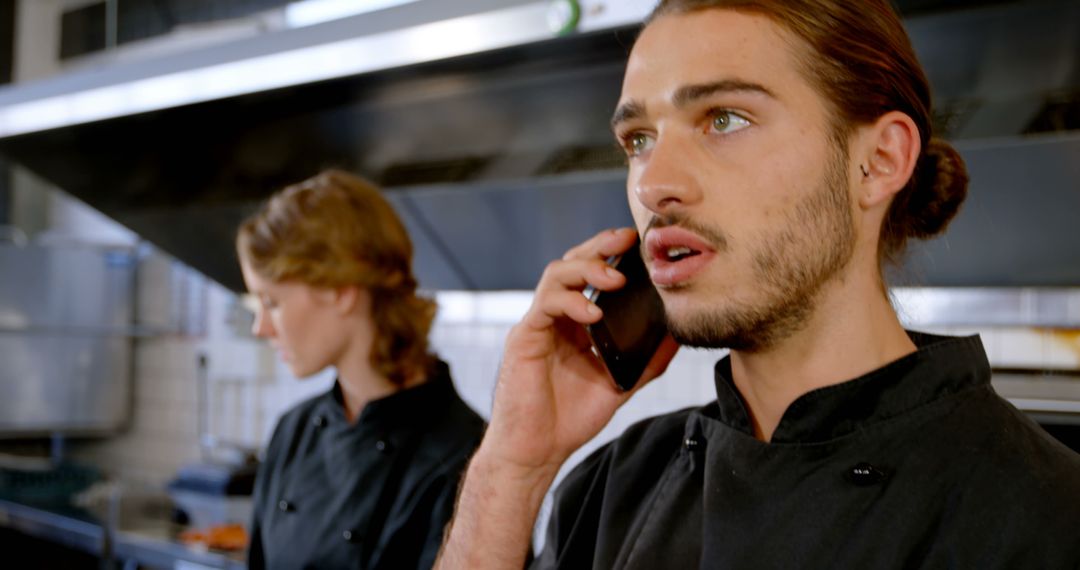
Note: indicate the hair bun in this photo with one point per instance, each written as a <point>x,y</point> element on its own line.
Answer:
<point>941,183</point>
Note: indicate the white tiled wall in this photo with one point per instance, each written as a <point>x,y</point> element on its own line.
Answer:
<point>185,317</point>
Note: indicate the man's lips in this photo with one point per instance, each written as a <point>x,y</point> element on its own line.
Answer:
<point>676,255</point>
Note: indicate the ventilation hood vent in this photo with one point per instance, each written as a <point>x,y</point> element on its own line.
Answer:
<point>491,134</point>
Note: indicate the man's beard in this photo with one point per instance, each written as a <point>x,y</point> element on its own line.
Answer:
<point>812,245</point>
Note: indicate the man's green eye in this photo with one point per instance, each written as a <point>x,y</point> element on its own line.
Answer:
<point>728,122</point>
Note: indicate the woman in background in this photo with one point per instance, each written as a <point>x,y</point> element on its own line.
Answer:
<point>365,475</point>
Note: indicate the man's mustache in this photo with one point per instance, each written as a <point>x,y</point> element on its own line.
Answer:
<point>714,237</point>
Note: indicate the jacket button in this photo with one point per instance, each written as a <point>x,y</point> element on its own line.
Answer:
<point>285,506</point>
<point>383,446</point>
<point>351,536</point>
<point>864,474</point>
<point>318,421</point>
<point>692,443</point>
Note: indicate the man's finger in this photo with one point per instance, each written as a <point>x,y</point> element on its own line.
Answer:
<point>577,274</point>
<point>604,244</point>
<point>561,304</point>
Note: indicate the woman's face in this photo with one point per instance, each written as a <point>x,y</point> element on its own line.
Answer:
<point>304,324</point>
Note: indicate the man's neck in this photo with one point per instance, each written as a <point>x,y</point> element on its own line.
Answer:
<point>853,330</point>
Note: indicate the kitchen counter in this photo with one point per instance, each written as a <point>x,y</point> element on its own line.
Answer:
<point>151,544</point>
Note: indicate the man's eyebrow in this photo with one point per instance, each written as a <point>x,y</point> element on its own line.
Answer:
<point>687,95</point>
<point>690,93</point>
<point>626,112</point>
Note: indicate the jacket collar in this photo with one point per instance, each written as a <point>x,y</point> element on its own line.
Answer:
<point>940,366</point>
<point>403,408</point>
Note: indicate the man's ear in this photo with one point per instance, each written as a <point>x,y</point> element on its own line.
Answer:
<point>891,148</point>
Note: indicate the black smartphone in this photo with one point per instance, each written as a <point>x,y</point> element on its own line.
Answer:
<point>633,325</point>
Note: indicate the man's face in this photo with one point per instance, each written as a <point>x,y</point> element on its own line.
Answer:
<point>737,182</point>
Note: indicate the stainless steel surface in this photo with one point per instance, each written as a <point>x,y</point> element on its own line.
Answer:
<point>75,531</point>
<point>1047,398</point>
<point>13,235</point>
<point>1018,226</point>
<point>987,307</point>
<point>260,65</point>
<point>480,117</point>
<point>161,550</point>
<point>1055,405</point>
<point>65,286</point>
<point>65,314</point>
<point>500,236</point>
<point>152,544</point>
<point>994,70</point>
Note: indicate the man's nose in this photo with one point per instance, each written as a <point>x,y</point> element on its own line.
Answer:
<point>665,182</point>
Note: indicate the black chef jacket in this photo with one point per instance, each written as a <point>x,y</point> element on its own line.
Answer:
<point>374,494</point>
<point>916,465</point>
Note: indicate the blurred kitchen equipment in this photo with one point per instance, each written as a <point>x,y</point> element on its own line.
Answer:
<point>216,490</point>
<point>44,483</point>
<point>13,235</point>
<point>65,339</point>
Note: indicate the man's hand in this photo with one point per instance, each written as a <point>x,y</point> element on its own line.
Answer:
<point>553,395</point>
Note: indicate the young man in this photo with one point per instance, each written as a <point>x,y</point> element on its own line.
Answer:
<point>780,152</point>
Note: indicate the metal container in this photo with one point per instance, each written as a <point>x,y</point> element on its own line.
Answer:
<point>65,339</point>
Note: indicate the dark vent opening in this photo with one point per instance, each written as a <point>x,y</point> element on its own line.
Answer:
<point>7,62</point>
<point>82,31</point>
<point>7,40</point>
<point>433,172</point>
<point>950,117</point>
<point>1060,113</point>
<point>922,7</point>
<point>583,158</point>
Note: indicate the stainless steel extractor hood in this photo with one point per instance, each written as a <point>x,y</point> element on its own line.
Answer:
<point>490,133</point>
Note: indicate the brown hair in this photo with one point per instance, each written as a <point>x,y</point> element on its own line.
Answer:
<point>336,230</point>
<point>862,62</point>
